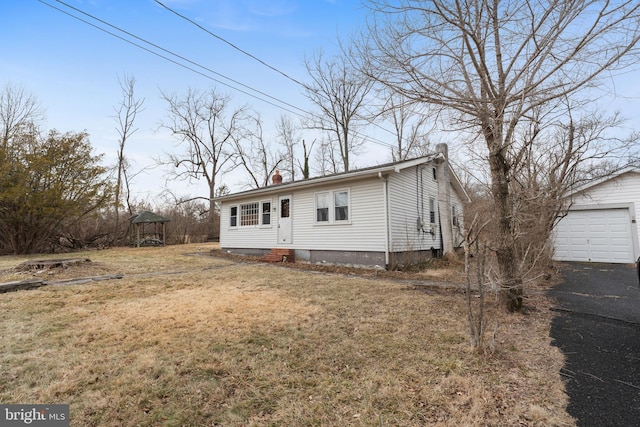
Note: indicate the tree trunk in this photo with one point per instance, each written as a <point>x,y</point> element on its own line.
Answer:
<point>511,283</point>
<point>211,220</point>
<point>116,203</point>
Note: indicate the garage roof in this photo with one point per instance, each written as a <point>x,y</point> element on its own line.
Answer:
<point>606,178</point>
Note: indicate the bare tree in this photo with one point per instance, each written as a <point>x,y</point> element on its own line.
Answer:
<point>476,317</point>
<point>18,110</point>
<point>256,156</point>
<point>306,153</point>
<point>126,113</point>
<point>563,152</point>
<point>325,158</point>
<point>490,64</point>
<point>205,125</point>
<point>190,222</point>
<point>288,134</point>
<point>570,149</point>
<point>411,128</point>
<point>339,92</point>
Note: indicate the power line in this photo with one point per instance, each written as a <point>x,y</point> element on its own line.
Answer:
<point>222,39</point>
<point>300,110</point>
<point>171,53</point>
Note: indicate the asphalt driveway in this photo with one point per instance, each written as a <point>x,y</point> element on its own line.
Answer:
<point>597,327</point>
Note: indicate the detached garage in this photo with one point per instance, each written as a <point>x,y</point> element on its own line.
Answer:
<point>600,225</point>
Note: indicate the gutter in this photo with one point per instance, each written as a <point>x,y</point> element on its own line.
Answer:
<point>339,177</point>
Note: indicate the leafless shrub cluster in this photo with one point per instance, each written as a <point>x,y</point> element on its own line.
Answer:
<point>188,223</point>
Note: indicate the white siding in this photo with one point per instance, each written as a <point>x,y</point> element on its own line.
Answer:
<point>408,195</point>
<point>624,189</point>
<point>408,204</point>
<point>258,236</point>
<point>363,232</point>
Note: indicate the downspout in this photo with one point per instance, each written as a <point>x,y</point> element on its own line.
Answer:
<point>387,234</point>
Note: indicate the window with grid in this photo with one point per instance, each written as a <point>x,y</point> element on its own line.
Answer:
<point>249,214</point>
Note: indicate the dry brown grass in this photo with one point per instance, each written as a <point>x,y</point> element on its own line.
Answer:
<point>221,343</point>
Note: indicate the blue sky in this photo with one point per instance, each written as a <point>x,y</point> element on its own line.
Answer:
<point>73,68</point>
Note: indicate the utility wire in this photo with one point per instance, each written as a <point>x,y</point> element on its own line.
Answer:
<point>250,55</point>
<point>170,53</point>
<point>301,112</point>
<point>230,44</point>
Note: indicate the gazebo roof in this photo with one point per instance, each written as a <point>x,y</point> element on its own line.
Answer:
<point>147,217</point>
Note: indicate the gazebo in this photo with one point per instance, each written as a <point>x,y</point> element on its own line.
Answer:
<point>141,231</point>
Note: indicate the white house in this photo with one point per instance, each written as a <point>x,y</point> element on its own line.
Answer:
<point>374,216</point>
<point>600,225</point>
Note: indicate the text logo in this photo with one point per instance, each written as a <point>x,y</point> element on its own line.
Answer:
<point>34,415</point>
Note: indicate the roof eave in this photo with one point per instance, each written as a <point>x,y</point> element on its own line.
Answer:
<point>600,180</point>
<point>350,176</point>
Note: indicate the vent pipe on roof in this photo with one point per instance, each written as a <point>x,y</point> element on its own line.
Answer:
<point>277,178</point>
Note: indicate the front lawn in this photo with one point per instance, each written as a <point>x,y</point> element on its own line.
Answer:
<point>185,339</point>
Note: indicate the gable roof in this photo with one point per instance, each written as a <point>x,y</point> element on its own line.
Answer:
<point>373,171</point>
<point>147,217</point>
<point>598,181</point>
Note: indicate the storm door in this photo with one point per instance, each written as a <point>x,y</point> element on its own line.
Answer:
<point>285,209</point>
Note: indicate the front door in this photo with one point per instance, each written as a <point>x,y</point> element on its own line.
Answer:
<point>284,219</point>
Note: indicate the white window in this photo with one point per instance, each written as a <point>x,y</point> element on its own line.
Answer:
<point>454,216</point>
<point>249,214</point>
<point>266,213</point>
<point>341,205</point>
<point>332,207</point>
<point>233,216</point>
<point>322,207</point>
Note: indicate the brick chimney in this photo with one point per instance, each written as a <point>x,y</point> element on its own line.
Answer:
<point>277,178</point>
<point>444,198</point>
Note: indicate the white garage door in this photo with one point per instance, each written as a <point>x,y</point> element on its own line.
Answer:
<point>599,235</point>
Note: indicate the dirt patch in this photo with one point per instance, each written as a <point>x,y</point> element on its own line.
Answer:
<point>56,271</point>
<point>437,269</point>
<point>48,264</point>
